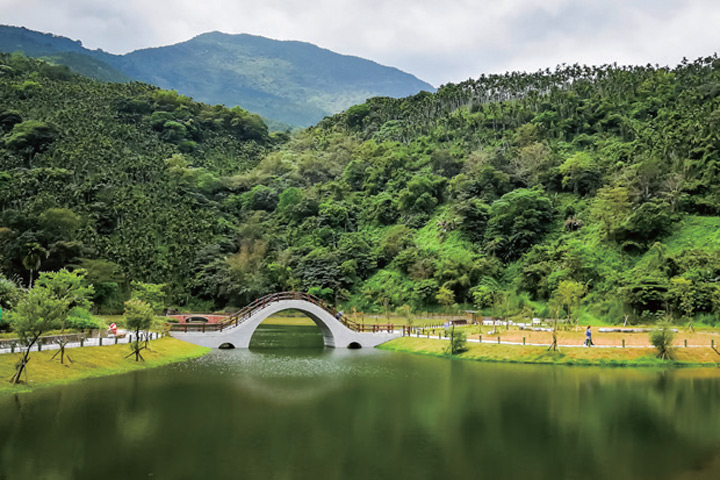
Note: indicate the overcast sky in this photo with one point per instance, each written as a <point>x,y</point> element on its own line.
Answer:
<point>440,41</point>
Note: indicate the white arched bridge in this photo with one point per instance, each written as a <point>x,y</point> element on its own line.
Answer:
<point>237,330</point>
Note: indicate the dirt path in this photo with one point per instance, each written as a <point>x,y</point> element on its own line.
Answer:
<point>610,339</point>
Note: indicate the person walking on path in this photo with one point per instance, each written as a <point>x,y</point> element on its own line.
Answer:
<point>588,337</point>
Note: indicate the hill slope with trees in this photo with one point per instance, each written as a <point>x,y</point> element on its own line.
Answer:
<point>121,179</point>
<point>519,194</point>
<point>588,190</point>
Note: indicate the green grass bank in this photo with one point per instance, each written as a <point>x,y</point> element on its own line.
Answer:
<point>601,357</point>
<point>90,362</point>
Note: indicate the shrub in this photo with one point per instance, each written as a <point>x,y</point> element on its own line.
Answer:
<point>661,337</point>
<point>10,293</point>
<point>81,319</point>
<point>458,342</point>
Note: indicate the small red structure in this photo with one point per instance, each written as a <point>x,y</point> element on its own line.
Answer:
<point>198,318</point>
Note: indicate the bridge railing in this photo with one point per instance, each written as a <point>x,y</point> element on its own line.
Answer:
<point>244,313</point>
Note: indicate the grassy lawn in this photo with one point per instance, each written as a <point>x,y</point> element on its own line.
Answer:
<point>92,362</point>
<point>640,357</point>
<point>284,320</point>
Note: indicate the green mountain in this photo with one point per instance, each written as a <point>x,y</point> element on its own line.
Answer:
<point>62,51</point>
<point>292,82</point>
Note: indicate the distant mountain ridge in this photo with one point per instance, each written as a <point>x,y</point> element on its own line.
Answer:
<point>292,82</point>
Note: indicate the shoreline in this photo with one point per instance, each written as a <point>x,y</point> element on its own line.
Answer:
<point>636,357</point>
<point>92,362</point>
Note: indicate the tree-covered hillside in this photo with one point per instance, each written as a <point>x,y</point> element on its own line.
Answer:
<point>126,180</point>
<point>536,191</point>
<point>518,194</point>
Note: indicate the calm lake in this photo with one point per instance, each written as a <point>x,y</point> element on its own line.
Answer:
<point>314,413</point>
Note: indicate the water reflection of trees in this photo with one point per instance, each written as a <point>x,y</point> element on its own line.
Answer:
<point>390,416</point>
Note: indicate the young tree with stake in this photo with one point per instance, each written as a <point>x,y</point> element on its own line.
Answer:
<point>138,316</point>
<point>72,288</point>
<point>38,312</point>
<point>46,307</point>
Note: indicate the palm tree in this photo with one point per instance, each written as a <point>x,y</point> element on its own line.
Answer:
<point>33,258</point>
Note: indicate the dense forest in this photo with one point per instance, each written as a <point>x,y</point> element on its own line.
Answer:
<point>124,180</point>
<point>591,191</point>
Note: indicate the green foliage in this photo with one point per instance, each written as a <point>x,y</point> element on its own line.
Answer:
<point>581,173</point>
<point>568,296</point>
<point>68,286</point>
<point>324,293</point>
<point>355,115</point>
<point>646,293</point>
<point>421,195</point>
<point>29,138</point>
<point>694,232</point>
<point>261,198</point>
<point>517,221</point>
<point>681,293</point>
<point>486,294</point>
<point>610,209</point>
<point>106,279</point>
<point>405,311</point>
<point>661,338</point>
<point>152,294</point>
<point>445,297</point>
<point>138,315</point>
<point>36,313</point>
<point>8,119</point>
<point>645,224</point>
<point>458,341</point>
<point>10,293</point>
<point>81,319</point>
<point>395,240</point>
<point>474,215</point>
<point>288,202</point>
<point>424,292</point>
<point>61,223</point>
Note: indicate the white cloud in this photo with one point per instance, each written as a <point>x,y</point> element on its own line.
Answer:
<point>438,41</point>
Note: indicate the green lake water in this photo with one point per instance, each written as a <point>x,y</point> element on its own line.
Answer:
<point>314,413</point>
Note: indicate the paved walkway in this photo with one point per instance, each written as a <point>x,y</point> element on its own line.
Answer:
<point>495,341</point>
<point>88,342</point>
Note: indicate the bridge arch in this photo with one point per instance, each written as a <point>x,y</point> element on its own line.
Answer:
<point>239,329</point>
<point>331,328</point>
